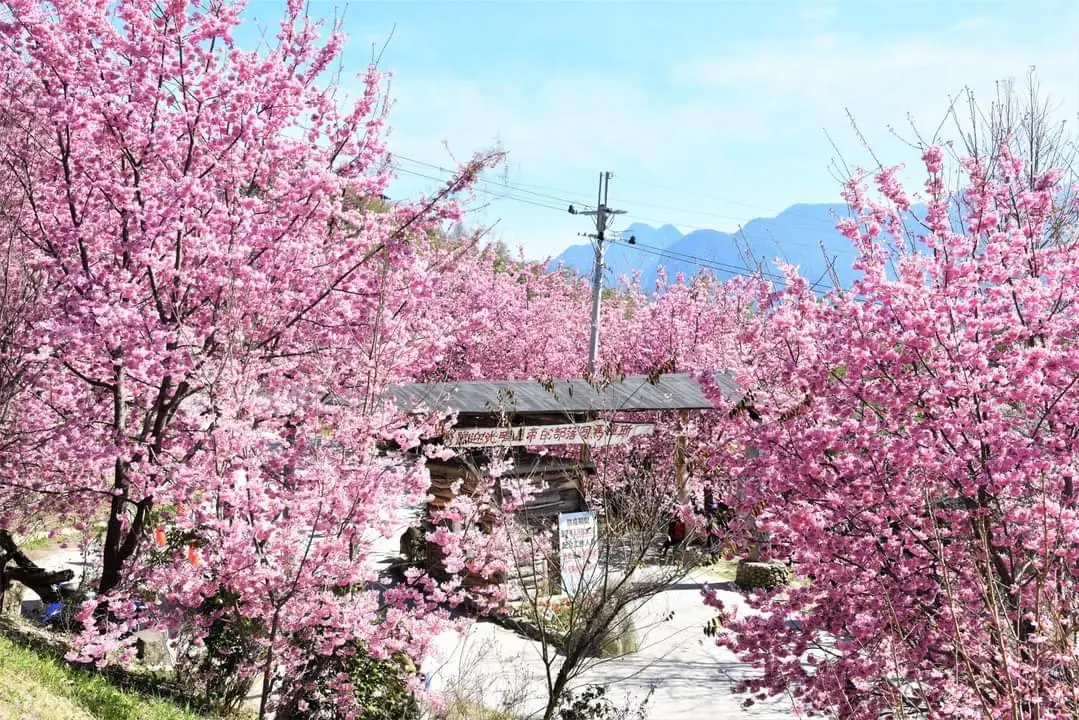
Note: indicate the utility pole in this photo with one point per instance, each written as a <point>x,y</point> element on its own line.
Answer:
<point>602,215</point>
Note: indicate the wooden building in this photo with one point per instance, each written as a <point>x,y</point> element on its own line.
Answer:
<point>519,416</point>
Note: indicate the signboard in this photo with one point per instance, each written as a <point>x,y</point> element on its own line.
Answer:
<point>597,432</point>
<point>578,548</point>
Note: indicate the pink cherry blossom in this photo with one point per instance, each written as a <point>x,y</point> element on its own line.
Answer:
<point>915,455</point>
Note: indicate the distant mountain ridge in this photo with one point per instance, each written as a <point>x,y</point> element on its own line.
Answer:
<point>796,236</point>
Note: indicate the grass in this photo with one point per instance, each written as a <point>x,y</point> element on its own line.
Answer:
<point>720,571</point>
<point>464,709</point>
<point>38,542</point>
<point>33,685</point>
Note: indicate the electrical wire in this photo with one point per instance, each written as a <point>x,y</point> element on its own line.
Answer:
<point>739,270</point>
<point>728,201</point>
<point>798,243</point>
<point>559,198</point>
<point>492,193</point>
<point>564,197</point>
<point>715,264</point>
<point>681,191</point>
<point>739,219</point>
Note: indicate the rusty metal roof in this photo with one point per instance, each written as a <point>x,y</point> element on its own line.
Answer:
<point>491,397</point>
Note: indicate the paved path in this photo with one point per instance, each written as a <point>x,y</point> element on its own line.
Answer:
<point>691,677</point>
<point>56,559</point>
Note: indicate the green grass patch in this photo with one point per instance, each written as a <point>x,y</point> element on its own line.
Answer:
<point>38,542</point>
<point>33,685</point>
<point>462,709</point>
<point>720,571</point>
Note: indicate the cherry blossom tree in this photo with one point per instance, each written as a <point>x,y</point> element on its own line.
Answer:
<point>510,318</point>
<point>916,459</point>
<point>220,307</point>
<point>20,287</point>
<point>686,326</point>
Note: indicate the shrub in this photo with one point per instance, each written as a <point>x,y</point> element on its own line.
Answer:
<point>220,674</point>
<point>379,687</point>
<point>592,703</point>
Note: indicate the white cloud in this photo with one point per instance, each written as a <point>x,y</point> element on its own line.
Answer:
<point>895,88</point>
<point>883,82</point>
<point>745,122</point>
<point>579,122</point>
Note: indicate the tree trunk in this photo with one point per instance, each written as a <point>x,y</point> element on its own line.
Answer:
<point>111,562</point>
<point>120,545</point>
<point>28,572</point>
<point>561,681</point>
<point>267,670</point>
<point>555,695</point>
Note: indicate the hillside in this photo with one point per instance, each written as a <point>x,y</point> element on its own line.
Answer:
<point>795,236</point>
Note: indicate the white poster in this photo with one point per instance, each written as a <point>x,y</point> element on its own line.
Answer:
<point>577,548</point>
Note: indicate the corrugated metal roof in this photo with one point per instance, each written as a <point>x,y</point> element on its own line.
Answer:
<point>731,391</point>
<point>634,393</point>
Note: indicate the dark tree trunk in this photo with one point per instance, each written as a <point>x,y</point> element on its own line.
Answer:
<point>111,562</point>
<point>27,572</point>
<point>120,545</point>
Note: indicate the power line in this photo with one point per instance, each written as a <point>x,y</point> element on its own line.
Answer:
<point>736,218</point>
<point>659,252</point>
<point>704,262</point>
<point>799,243</point>
<point>740,231</point>
<point>658,186</point>
<point>661,221</point>
<point>682,191</point>
<point>492,193</point>
<point>730,269</point>
<point>741,272</point>
<point>715,264</point>
<point>561,199</point>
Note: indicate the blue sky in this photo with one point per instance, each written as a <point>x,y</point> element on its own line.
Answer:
<point>708,113</point>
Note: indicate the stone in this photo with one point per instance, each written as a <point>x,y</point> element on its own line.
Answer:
<point>765,575</point>
<point>12,600</point>
<point>621,638</point>
<point>32,608</point>
<point>151,646</point>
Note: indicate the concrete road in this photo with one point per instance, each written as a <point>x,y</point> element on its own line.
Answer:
<point>690,677</point>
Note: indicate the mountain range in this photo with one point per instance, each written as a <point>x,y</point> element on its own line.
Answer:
<point>803,235</point>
